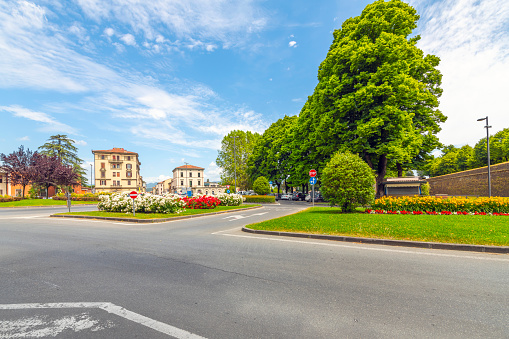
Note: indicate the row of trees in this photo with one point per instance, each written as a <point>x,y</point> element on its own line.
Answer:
<point>377,97</point>
<point>56,164</point>
<point>455,159</point>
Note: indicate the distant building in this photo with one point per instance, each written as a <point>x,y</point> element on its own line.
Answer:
<point>189,177</point>
<point>4,184</point>
<point>403,186</point>
<point>117,170</point>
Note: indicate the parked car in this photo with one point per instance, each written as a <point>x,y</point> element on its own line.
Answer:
<point>318,197</point>
<point>298,196</point>
<point>286,197</point>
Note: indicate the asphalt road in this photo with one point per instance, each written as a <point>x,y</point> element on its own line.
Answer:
<point>203,277</point>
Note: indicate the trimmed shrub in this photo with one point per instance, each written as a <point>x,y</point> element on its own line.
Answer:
<point>261,186</point>
<point>425,188</point>
<point>347,181</point>
<point>260,198</point>
<point>230,199</point>
<point>8,198</point>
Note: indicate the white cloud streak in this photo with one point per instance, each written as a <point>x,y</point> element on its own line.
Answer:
<point>471,39</point>
<point>49,123</point>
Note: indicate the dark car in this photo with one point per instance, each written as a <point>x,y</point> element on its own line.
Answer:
<point>298,196</point>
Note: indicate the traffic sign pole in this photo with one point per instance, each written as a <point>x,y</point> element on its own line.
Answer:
<point>133,195</point>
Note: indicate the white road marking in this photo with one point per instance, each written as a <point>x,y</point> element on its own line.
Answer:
<point>29,217</point>
<point>113,309</point>
<point>259,213</point>
<point>369,248</point>
<point>237,217</point>
<point>231,229</point>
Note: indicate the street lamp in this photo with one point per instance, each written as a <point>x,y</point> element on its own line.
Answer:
<point>488,146</point>
<point>91,178</point>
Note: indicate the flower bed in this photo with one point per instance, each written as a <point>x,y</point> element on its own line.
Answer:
<point>8,198</point>
<point>435,213</point>
<point>493,205</point>
<point>79,197</point>
<point>168,203</point>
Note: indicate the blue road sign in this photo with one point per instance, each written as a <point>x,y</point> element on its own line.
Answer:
<point>313,180</point>
<point>227,191</point>
<point>189,194</point>
<point>270,182</point>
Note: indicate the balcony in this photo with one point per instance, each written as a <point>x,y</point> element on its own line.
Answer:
<point>116,161</point>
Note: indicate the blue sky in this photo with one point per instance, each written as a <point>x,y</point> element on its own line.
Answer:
<point>168,79</point>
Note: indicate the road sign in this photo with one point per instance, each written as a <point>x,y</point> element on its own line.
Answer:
<point>312,173</point>
<point>270,182</point>
<point>227,191</point>
<point>133,194</point>
<point>313,180</point>
<point>227,186</point>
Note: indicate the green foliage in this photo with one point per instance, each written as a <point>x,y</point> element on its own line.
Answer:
<point>63,147</point>
<point>236,148</point>
<point>377,94</point>
<point>425,188</point>
<point>260,199</point>
<point>347,181</point>
<point>261,186</point>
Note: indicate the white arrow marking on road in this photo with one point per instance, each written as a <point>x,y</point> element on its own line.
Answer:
<point>113,309</point>
<point>237,217</point>
<point>259,213</point>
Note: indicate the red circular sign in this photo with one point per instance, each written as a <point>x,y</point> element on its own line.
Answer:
<point>312,173</point>
<point>133,194</point>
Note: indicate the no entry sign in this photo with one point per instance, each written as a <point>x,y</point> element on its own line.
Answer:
<point>133,194</point>
<point>312,173</point>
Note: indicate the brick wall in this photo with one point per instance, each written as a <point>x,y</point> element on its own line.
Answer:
<point>473,182</point>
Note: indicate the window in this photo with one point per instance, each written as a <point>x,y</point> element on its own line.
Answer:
<point>18,193</point>
<point>1,192</point>
<point>128,166</point>
<point>129,182</point>
<point>190,174</point>
<point>190,183</point>
<point>103,182</point>
<point>199,182</point>
<point>181,182</point>
<point>1,178</point>
<point>103,165</point>
<point>129,158</point>
<point>103,175</point>
<point>181,174</point>
<point>102,157</point>
<point>199,175</point>
<point>114,174</point>
<point>129,174</point>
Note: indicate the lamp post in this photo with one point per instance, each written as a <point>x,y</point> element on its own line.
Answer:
<point>235,163</point>
<point>488,146</point>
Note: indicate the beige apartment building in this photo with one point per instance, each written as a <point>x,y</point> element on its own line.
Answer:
<point>4,185</point>
<point>117,170</point>
<point>189,177</point>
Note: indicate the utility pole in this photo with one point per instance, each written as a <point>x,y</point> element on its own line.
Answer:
<point>489,158</point>
<point>91,178</point>
<point>186,182</point>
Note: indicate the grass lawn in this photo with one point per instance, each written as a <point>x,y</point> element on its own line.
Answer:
<point>459,229</point>
<point>42,202</point>
<point>157,215</point>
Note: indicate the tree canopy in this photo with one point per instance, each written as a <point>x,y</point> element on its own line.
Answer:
<point>377,94</point>
<point>232,158</point>
<point>63,148</point>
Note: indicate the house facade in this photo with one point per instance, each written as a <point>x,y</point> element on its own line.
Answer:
<point>117,170</point>
<point>4,184</point>
<point>191,178</point>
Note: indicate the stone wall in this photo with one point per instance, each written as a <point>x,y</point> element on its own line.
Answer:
<point>473,182</point>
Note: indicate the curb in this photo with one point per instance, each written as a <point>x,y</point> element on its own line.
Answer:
<point>404,243</point>
<point>150,221</point>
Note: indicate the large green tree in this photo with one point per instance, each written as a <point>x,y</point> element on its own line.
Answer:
<point>377,94</point>
<point>63,148</point>
<point>271,155</point>
<point>236,148</point>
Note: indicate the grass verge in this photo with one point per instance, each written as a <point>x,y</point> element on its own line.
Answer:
<point>156,215</point>
<point>458,229</point>
<point>42,202</point>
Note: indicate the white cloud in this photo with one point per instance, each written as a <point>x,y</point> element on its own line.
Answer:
<point>25,138</point>
<point>109,31</point>
<point>128,39</point>
<point>49,123</point>
<point>471,39</point>
<point>212,172</point>
<point>80,142</point>
<point>292,44</point>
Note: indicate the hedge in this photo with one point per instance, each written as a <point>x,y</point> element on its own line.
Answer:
<point>7,198</point>
<point>260,198</point>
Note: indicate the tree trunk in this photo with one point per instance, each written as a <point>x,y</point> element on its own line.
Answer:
<point>381,171</point>
<point>400,170</point>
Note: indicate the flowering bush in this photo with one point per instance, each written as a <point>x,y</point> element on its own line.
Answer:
<point>230,199</point>
<point>201,202</point>
<point>434,204</point>
<point>145,202</point>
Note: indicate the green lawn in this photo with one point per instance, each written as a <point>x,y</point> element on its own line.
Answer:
<point>42,202</point>
<point>156,215</point>
<point>460,229</point>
